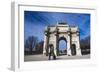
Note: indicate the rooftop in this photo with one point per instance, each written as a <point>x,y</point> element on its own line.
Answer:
<point>62,24</point>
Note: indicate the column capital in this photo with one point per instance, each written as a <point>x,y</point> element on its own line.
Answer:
<point>68,33</point>
<point>78,33</point>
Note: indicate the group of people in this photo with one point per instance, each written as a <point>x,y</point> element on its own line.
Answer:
<point>51,54</point>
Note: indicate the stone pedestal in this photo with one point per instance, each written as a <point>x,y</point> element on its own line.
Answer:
<point>68,45</point>
<point>78,50</point>
<point>44,45</point>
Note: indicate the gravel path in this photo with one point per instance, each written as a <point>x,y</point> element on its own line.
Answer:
<point>45,58</point>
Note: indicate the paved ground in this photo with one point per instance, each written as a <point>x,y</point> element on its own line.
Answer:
<point>45,58</point>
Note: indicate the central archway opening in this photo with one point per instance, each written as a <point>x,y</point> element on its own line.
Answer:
<point>62,47</point>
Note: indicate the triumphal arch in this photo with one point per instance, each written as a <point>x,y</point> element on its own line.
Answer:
<point>62,31</point>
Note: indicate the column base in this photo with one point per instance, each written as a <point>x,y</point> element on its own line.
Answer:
<point>55,52</point>
<point>78,52</point>
<point>44,52</point>
<point>69,52</point>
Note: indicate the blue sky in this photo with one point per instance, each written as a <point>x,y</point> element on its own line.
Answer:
<point>35,22</point>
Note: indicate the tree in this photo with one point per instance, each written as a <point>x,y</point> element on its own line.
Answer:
<point>85,45</point>
<point>39,47</point>
<point>31,43</point>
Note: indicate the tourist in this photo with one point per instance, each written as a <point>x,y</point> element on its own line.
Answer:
<point>51,52</point>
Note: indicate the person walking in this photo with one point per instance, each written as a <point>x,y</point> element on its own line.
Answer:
<point>51,52</point>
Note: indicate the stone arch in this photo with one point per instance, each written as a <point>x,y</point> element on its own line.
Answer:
<point>53,34</point>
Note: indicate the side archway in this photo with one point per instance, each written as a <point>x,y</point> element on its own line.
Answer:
<point>73,49</point>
